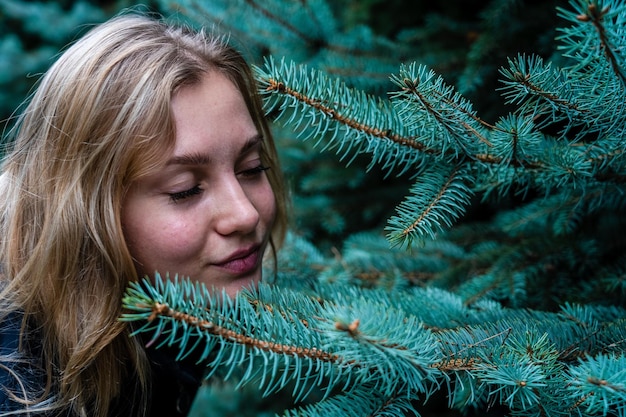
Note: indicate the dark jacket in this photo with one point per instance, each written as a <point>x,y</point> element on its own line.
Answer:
<point>174,383</point>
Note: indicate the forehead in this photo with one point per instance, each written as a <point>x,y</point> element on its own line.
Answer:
<point>210,116</point>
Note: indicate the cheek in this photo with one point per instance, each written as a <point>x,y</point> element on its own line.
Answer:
<point>265,202</point>
<point>156,241</point>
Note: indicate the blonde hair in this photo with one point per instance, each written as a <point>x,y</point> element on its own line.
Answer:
<point>99,119</point>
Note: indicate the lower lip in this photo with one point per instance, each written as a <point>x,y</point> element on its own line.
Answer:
<point>243,265</point>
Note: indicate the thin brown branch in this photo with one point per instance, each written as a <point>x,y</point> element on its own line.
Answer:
<point>524,79</point>
<point>455,365</point>
<point>411,87</point>
<point>159,309</point>
<point>426,212</point>
<point>277,86</point>
<point>596,17</point>
<point>322,43</point>
<point>282,22</point>
<point>580,401</point>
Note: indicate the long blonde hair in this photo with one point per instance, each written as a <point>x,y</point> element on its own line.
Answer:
<point>100,119</point>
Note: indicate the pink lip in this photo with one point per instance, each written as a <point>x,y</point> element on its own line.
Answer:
<point>242,261</point>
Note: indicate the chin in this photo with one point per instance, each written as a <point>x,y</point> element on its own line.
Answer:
<point>233,285</point>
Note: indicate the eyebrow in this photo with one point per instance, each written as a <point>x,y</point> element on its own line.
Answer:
<point>201,158</point>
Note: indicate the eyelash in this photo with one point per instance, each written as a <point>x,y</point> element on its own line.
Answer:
<point>254,171</point>
<point>195,190</point>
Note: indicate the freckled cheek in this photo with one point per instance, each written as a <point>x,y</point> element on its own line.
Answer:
<point>158,243</point>
<point>179,240</point>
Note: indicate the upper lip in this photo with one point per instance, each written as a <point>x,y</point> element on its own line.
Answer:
<point>239,253</point>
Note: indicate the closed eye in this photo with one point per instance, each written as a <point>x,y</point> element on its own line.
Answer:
<point>249,173</point>
<point>195,190</point>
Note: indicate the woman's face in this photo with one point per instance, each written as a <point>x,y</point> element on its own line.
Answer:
<point>208,212</point>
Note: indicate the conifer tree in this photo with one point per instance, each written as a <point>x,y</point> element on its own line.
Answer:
<point>520,312</point>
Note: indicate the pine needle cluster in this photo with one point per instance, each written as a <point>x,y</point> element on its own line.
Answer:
<point>340,350</point>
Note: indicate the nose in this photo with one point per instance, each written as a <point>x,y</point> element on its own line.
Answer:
<point>236,212</point>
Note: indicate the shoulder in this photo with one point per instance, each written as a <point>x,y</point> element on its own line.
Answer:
<point>173,385</point>
<point>174,382</point>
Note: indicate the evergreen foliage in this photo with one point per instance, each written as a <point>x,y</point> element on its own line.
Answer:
<point>361,351</point>
<point>32,34</point>
<point>520,313</point>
